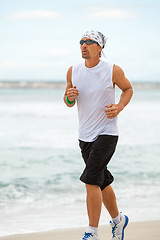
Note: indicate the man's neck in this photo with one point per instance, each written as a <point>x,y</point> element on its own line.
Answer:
<point>91,62</point>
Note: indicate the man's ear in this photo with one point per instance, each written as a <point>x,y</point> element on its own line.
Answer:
<point>100,48</point>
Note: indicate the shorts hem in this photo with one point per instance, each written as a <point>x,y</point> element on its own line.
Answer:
<point>102,187</point>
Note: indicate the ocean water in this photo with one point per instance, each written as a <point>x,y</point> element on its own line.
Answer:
<point>40,161</point>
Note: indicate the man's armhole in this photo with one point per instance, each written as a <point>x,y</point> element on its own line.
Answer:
<point>113,83</point>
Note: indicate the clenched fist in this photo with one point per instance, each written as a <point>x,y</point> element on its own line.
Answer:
<point>72,93</point>
<point>113,110</point>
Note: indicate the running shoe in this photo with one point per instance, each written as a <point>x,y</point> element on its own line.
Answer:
<point>118,229</point>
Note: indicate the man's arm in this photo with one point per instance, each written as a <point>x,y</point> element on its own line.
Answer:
<point>71,92</point>
<point>123,83</point>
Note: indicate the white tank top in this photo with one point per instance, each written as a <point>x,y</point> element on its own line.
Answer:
<point>96,90</point>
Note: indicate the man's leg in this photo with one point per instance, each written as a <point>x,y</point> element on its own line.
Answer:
<point>119,221</point>
<point>94,204</point>
<point>109,200</point>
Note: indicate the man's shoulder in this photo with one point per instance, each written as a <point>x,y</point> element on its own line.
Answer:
<point>74,68</point>
<point>79,65</point>
<point>106,64</point>
<point>117,70</point>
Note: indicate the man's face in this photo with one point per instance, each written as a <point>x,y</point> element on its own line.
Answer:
<point>90,51</point>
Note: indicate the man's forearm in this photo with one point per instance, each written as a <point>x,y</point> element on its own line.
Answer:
<point>125,97</point>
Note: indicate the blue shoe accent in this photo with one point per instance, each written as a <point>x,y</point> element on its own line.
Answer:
<point>114,229</point>
<point>125,225</point>
<point>87,235</point>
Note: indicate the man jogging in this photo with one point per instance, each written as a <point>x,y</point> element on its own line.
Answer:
<point>92,86</point>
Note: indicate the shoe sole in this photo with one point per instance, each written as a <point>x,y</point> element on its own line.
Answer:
<point>125,225</point>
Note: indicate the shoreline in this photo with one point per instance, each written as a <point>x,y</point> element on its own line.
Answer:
<point>24,84</point>
<point>146,230</point>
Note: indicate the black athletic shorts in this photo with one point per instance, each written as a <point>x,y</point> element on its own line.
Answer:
<point>96,156</point>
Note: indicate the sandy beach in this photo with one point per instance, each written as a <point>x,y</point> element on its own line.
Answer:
<point>136,230</point>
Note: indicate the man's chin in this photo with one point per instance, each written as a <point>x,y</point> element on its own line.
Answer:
<point>85,56</point>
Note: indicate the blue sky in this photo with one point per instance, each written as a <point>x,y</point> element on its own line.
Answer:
<point>39,39</point>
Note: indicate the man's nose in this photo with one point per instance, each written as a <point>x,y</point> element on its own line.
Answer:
<point>84,45</point>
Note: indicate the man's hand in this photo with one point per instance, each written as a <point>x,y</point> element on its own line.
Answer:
<point>72,93</point>
<point>113,110</point>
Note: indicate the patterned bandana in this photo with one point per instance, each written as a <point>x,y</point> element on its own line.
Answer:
<point>96,36</point>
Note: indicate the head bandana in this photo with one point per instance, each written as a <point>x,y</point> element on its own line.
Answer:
<point>96,36</point>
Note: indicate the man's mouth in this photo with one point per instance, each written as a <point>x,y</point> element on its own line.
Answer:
<point>84,51</point>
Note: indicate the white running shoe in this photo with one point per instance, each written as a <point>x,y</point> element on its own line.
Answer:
<point>118,229</point>
<point>89,235</point>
